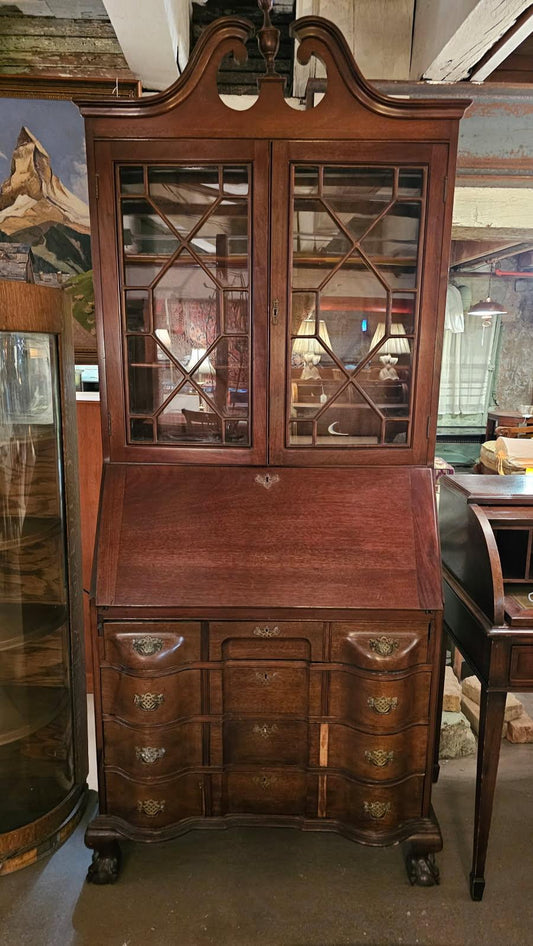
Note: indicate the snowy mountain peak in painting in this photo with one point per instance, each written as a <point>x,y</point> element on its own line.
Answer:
<point>33,195</point>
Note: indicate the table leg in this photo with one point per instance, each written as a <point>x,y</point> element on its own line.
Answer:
<point>492,711</point>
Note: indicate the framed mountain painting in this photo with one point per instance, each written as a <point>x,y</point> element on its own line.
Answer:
<point>44,216</point>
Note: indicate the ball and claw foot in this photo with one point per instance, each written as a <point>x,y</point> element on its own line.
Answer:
<point>477,886</point>
<point>104,868</point>
<point>422,871</point>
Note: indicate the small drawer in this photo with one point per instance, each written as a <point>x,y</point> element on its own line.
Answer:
<point>288,640</point>
<point>380,705</point>
<point>152,752</point>
<point>156,805</point>
<point>265,741</point>
<point>265,688</point>
<point>262,791</point>
<point>149,701</point>
<point>374,808</point>
<point>394,645</point>
<point>151,646</point>
<point>378,758</point>
<point>521,671</point>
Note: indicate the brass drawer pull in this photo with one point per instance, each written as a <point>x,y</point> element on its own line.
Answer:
<point>376,809</point>
<point>147,646</point>
<point>150,807</point>
<point>265,730</point>
<point>149,755</point>
<point>379,757</point>
<point>383,646</point>
<point>382,704</point>
<point>148,701</point>
<point>266,677</point>
<point>267,631</point>
<point>265,781</point>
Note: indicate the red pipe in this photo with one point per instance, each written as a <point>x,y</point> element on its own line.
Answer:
<point>503,272</point>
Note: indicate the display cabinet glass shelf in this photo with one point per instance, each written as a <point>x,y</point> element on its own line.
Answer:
<point>270,301</point>
<point>43,751</point>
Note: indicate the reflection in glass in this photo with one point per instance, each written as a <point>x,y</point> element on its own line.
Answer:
<point>131,179</point>
<point>144,231</point>
<point>183,194</point>
<point>356,232</point>
<point>358,195</point>
<point>231,360</point>
<point>186,308</point>
<point>137,305</point>
<point>36,756</point>
<point>152,375</point>
<point>224,235</point>
<point>236,316</point>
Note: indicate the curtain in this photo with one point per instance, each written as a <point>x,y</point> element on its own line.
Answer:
<point>467,371</point>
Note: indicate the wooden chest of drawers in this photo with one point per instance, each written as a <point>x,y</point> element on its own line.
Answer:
<point>293,720</point>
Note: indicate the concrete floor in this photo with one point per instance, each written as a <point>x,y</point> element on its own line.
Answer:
<point>277,887</point>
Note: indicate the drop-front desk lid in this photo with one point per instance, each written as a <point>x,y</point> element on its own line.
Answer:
<point>248,537</point>
<point>486,489</point>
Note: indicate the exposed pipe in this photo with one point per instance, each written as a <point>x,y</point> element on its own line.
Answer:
<point>504,272</point>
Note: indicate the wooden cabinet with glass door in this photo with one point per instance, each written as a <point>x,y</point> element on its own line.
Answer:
<point>267,582</point>
<point>43,741</point>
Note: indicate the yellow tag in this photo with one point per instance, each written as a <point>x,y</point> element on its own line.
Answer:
<point>529,470</point>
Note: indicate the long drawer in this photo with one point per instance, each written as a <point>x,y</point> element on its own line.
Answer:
<point>379,704</point>
<point>151,700</point>
<point>158,804</point>
<point>377,808</point>
<point>152,646</point>
<point>156,751</point>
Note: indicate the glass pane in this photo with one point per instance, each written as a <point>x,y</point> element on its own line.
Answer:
<point>236,312</point>
<point>228,384</point>
<point>345,421</point>
<point>151,375</point>
<point>318,244</point>
<point>237,432</point>
<point>131,179</point>
<point>410,182</point>
<point>187,313</point>
<point>183,194</point>
<point>189,417</point>
<point>235,181</point>
<point>144,231</point>
<point>386,380</point>
<point>36,759</point>
<point>396,432</point>
<point>141,430</point>
<point>358,195</point>
<point>140,274</point>
<point>137,311</point>
<point>305,180</point>
<point>351,305</point>
<point>403,312</point>
<point>223,237</point>
<point>392,244</point>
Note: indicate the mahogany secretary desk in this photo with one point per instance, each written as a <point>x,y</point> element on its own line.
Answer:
<point>270,290</point>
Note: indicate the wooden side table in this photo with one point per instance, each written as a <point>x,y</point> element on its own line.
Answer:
<point>502,419</point>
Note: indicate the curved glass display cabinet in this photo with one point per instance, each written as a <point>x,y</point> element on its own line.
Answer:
<point>43,743</point>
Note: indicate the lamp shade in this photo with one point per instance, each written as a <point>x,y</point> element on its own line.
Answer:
<point>486,308</point>
<point>393,345</point>
<point>306,343</point>
<point>206,368</point>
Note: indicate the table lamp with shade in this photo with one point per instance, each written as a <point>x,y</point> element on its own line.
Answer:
<point>309,348</point>
<point>203,373</point>
<point>396,344</point>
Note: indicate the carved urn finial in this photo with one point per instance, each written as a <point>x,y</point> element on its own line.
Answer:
<point>268,37</point>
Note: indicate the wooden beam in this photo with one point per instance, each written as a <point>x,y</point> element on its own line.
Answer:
<point>452,36</point>
<point>506,45</point>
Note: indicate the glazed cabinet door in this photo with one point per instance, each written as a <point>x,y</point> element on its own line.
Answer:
<point>182,244</point>
<point>356,286</point>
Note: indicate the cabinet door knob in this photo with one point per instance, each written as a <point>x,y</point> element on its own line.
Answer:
<point>151,807</point>
<point>379,757</point>
<point>266,677</point>
<point>382,704</point>
<point>267,631</point>
<point>147,646</point>
<point>376,809</point>
<point>383,646</point>
<point>149,755</point>
<point>148,701</point>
